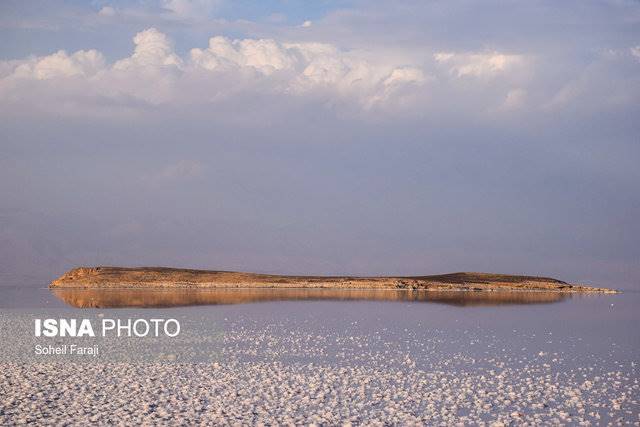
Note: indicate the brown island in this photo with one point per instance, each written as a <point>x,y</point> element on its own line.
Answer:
<point>171,278</point>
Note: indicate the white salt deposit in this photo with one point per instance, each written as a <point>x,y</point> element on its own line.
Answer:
<point>279,374</point>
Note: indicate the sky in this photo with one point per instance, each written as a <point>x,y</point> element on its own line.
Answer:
<point>300,137</point>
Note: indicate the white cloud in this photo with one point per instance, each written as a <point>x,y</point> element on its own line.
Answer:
<point>153,49</point>
<point>155,74</point>
<point>265,56</point>
<point>300,68</point>
<point>478,64</point>
<point>304,66</point>
<point>242,70</point>
<point>60,64</point>
<point>306,24</point>
<point>635,51</point>
<point>239,71</point>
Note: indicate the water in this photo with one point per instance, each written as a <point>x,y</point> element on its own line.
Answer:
<point>577,324</point>
<point>545,357</point>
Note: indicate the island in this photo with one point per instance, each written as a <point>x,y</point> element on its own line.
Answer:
<point>168,278</point>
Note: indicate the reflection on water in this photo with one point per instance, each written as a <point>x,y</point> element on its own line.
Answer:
<point>147,298</point>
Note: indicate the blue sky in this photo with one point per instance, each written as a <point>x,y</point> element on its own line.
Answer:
<point>321,137</point>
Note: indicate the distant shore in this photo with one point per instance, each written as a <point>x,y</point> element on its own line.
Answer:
<point>167,278</point>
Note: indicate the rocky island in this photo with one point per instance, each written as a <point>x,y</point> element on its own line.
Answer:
<point>167,278</point>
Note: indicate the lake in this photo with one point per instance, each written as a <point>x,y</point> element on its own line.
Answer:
<point>330,356</point>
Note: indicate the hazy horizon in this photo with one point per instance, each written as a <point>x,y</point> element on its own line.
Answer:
<point>346,137</point>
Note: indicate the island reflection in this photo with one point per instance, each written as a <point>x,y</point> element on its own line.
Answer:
<point>163,298</point>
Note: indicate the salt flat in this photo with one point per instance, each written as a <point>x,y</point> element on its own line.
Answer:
<point>277,393</point>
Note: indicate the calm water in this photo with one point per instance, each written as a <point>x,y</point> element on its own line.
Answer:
<point>605,325</point>
<point>511,357</point>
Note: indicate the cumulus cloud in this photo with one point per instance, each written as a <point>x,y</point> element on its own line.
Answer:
<point>231,70</point>
<point>155,74</point>
<point>265,56</point>
<point>153,49</point>
<point>478,64</point>
<point>60,64</point>
<point>303,68</point>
